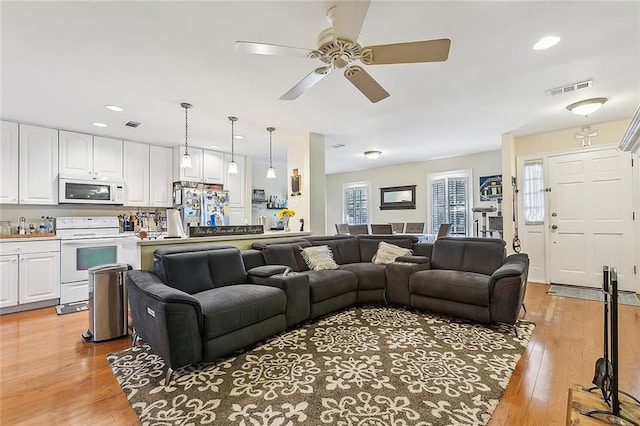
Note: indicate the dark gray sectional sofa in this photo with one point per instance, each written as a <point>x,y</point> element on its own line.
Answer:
<point>202,302</point>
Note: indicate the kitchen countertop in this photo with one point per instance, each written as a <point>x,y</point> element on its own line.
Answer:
<point>17,238</point>
<point>161,240</point>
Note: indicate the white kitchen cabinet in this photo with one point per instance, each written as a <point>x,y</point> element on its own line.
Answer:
<point>212,167</point>
<point>92,156</point>
<point>38,165</point>
<point>8,162</point>
<point>193,174</point>
<point>160,178</point>
<point>235,183</point>
<point>136,174</point>
<point>30,272</point>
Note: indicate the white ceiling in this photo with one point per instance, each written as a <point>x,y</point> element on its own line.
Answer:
<point>62,62</point>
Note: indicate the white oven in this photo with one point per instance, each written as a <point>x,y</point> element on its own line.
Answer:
<point>85,242</point>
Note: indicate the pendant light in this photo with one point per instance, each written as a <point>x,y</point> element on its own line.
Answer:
<point>271,172</point>
<point>185,161</point>
<point>233,167</point>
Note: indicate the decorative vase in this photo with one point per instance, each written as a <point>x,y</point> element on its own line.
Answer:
<point>285,219</point>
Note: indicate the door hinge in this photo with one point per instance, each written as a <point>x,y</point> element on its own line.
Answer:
<point>635,271</point>
<point>633,215</point>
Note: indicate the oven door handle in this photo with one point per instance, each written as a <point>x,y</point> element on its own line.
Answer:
<point>90,241</point>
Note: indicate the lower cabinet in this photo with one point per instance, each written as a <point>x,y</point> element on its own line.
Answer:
<point>29,273</point>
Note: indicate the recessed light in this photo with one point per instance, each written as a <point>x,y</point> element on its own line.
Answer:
<point>114,108</point>
<point>546,42</point>
<point>239,137</point>
<point>214,146</point>
<point>99,124</point>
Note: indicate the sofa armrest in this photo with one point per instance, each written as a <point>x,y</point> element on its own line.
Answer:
<point>166,318</point>
<point>295,286</point>
<point>397,276</point>
<point>413,259</point>
<point>507,288</point>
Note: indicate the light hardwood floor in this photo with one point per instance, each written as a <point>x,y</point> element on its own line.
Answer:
<point>50,376</point>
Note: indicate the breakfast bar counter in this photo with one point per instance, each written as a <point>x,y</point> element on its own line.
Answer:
<point>139,252</point>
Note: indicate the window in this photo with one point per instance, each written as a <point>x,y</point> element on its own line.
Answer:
<point>356,203</point>
<point>450,201</point>
<point>533,193</point>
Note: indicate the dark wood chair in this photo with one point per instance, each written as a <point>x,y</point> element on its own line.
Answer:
<point>358,229</point>
<point>444,230</point>
<point>342,228</point>
<point>381,228</point>
<point>414,228</point>
<point>397,227</point>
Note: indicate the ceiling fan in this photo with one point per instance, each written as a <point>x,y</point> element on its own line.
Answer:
<point>340,45</point>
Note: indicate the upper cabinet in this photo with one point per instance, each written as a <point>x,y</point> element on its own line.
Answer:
<point>206,166</point>
<point>38,165</point>
<point>161,182</point>
<point>147,175</point>
<point>92,156</point>
<point>8,162</point>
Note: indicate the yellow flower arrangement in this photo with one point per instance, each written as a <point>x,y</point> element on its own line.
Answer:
<point>287,212</point>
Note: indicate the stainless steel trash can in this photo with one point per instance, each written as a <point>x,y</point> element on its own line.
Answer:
<point>108,302</point>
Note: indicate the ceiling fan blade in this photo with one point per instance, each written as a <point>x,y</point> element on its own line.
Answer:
<point>407,53</point>
<point>365,83</point>
<point>349,17</point>
<point>270,49</point>
<point>305,84</point>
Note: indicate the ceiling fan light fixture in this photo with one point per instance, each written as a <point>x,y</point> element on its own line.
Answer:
<point>271,172</point>
<point>185,161</point>
<point>372,155</point>
<point>233,166</point>
<point>546,42</point>
<point>586,106</point>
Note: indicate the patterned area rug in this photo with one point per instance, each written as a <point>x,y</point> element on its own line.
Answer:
<point>363,366</point>
<point>624,297</point>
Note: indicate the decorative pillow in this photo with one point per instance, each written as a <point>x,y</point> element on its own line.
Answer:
<point>388,253</point>
<point>319,258</point>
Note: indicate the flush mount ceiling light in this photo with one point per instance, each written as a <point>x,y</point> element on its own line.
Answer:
<point>271,172</point>
<point>114,108</point>
<point>185,161</point>
<point>233,166</point>
<point>546,42</point>
<point>372,155</point>
<point>587,106</point>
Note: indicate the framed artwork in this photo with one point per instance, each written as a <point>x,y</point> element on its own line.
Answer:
<point>490,187</point>
<point>398,197</point>
<point>296,183</point>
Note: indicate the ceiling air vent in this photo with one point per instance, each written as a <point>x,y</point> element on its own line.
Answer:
<point>133,124</point>
<point>337,146</point>
<point>570,87</point>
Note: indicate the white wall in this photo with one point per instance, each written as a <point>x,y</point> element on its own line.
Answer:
<point>481,164</point>
<point>277,186</point>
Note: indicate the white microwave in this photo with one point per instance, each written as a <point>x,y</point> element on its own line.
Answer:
<point>80,190</point>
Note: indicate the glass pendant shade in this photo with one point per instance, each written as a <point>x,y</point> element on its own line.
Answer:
<point>271,173</point>
<point>233,168</point>
<point>185,161</point>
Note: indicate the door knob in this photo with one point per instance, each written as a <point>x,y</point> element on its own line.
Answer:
<point>554,214</point>
<point>554,227</point>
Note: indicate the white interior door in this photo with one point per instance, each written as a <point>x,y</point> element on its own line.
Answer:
<point>591,223</point>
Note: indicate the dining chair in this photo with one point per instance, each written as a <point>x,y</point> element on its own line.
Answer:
<point>444,230</point>
<point>414,228</point>
<point>381,228</point>
<point>397,227</point>
<point>358,229</point>
<point>342,228</point>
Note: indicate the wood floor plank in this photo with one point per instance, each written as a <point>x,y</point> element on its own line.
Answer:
<point>47,372</point>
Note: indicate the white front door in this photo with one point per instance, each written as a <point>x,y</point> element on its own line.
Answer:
<point>590,217</point>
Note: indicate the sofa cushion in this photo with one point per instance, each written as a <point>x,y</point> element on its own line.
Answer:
<point>286,254</point>
<point>369,244</point>
<point>370,275</point>
<point>327,284</point>
<point>480,255</point>
<point>318,258</point>
<point>459,286</point>
<point>345,248</point>
<point>231,308</point>
<point>388,253</point>
<point>193,269</point>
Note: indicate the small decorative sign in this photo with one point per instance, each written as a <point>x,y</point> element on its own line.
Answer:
<point>218,231</point>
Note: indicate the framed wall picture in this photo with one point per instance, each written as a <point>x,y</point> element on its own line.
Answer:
<point>398,197</point>
<point>491,188</point>
<point>296,183</point>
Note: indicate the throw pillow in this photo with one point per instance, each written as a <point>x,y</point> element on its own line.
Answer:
<point>388,253</point>
<point>319,258</point>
